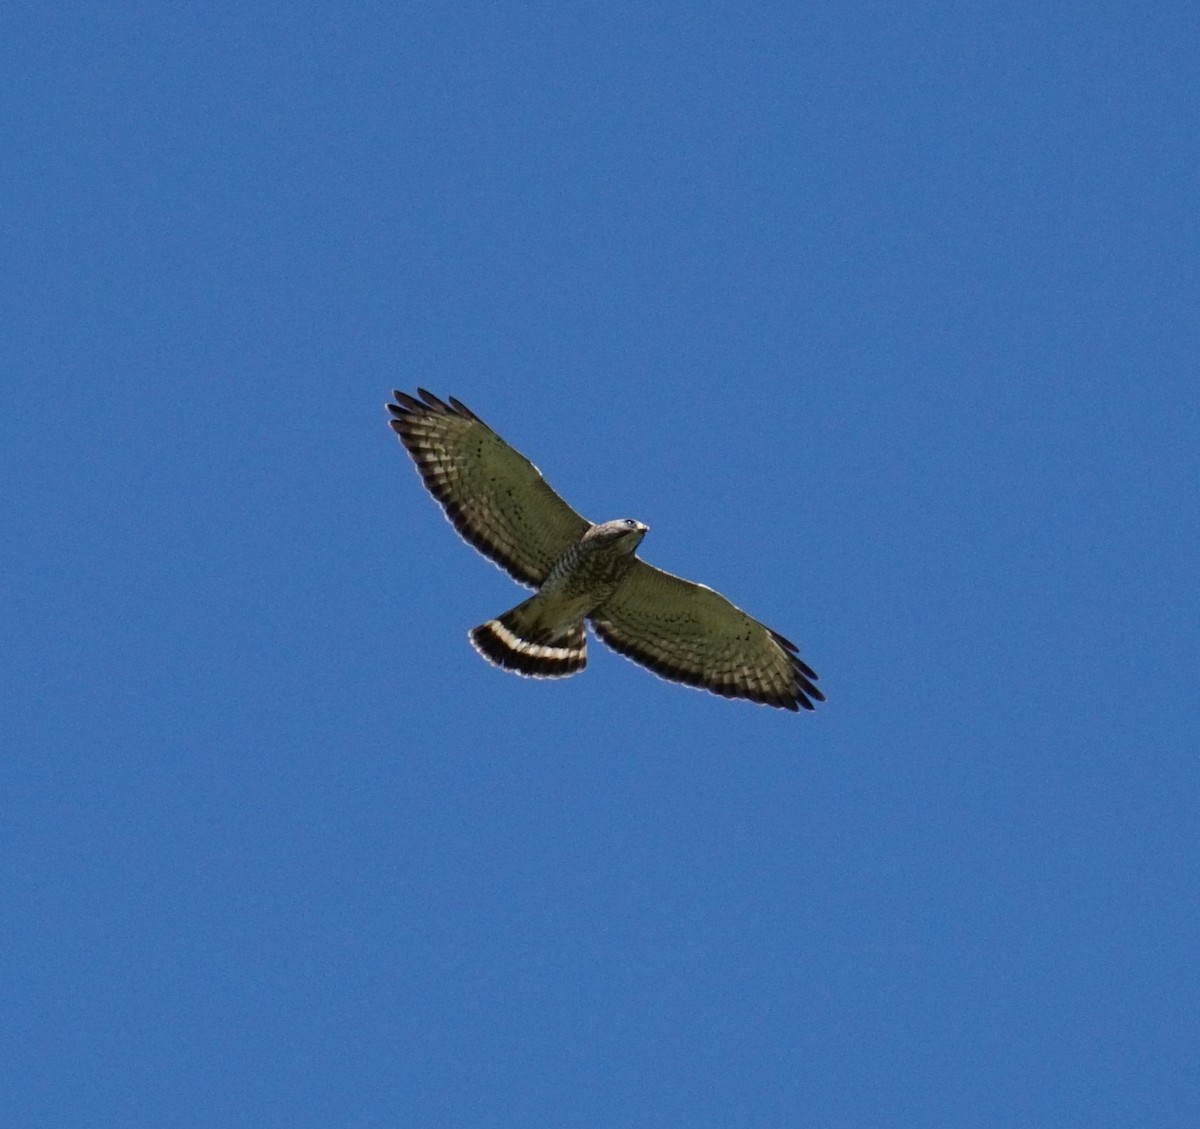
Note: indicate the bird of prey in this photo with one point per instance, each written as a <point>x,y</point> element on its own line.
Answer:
<point>584,573</point>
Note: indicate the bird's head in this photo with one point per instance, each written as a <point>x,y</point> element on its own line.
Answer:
<point>623,535</point>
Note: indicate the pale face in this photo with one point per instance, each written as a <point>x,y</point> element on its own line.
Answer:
<point>625,533</point>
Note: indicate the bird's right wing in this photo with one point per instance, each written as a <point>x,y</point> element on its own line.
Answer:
<point>494,496</point>
<point>688,633</point>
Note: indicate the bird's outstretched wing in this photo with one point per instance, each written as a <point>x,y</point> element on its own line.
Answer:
<point>494,496</point>
<point>689,633</point>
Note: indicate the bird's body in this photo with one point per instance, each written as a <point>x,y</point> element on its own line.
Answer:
<point>590,570</point>
<point>544,636</point>
<point>585,573</point>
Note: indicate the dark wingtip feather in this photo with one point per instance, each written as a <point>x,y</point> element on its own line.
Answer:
<point>407,403</point>
<point>803,676</point>
<point>804,668</point>
<point>804,679</point>
<point>786,644</point>
<point>432,401</point>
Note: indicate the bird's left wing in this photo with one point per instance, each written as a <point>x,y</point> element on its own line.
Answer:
<point>494,496</point>
<point>689,633</point>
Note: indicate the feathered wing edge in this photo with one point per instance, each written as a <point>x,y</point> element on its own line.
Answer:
<point>779,678</point>
<point>402,414</point>
<point>800,694</point>
<point>526,561</point>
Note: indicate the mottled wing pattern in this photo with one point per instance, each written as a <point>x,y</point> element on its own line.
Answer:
<point>689,633</point>
<point>494,496</point>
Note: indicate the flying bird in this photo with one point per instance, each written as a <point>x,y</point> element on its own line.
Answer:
<point>584,573</point>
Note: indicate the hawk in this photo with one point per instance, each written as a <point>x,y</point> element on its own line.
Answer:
<point>584,573</point>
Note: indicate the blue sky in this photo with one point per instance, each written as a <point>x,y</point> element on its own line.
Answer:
<point>885,319</point>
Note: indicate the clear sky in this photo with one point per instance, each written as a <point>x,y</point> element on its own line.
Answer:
<point>885,317</point>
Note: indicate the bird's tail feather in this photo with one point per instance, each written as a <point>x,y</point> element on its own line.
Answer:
<point>517,642</point>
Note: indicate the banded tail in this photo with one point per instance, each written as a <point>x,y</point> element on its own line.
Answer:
<point>516,641</point>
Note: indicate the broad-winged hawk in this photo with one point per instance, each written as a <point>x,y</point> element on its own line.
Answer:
<point>499,501</point>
